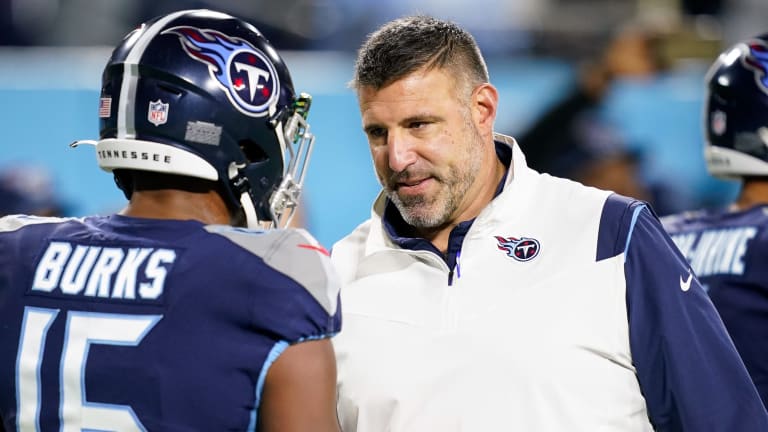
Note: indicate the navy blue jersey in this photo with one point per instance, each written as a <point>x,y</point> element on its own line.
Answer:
<point>728,252</point>
<point>118,323</point>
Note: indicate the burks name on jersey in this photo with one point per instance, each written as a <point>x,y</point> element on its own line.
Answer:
<point>716,251</point>
<point>103,272</point>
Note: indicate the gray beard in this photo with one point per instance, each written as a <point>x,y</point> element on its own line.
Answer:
<point>420,213</point>
<point>433,211</point>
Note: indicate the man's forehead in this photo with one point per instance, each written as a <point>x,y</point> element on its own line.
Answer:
<point>418,82</point>
<point>411,96</point>
<point>396,111</point>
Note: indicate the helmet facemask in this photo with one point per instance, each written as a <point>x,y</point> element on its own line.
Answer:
<point>298,142</point>
<point>283,174</point>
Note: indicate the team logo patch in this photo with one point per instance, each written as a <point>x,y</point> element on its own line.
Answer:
<point>522,249</point>
<point>718,122</point>
<point>158,112</point>
<point>245,73</point>
<point>755,58</point>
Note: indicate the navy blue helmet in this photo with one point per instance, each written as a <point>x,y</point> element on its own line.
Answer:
<point>204,94</point>
<point>736,113</point>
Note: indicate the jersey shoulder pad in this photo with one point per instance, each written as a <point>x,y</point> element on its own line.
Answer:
<point>293,252</point>
<point>18,221</point>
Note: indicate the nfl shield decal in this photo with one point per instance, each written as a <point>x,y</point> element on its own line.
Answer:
<point>158,112</point>
<point>718,122</point>
<point>246,74</point>
<point>521,249</point>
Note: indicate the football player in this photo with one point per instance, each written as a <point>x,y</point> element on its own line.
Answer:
<point>180,312</point>
<point>727,247</point>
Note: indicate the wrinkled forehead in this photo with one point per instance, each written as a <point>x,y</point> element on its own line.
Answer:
<point>418,90</point>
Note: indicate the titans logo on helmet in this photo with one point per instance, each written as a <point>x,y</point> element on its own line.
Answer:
<point>246,74</point>
<point>522,249</point>
<point>756,59</point>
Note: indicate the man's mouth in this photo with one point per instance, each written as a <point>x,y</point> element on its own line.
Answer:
<point>413,186</point>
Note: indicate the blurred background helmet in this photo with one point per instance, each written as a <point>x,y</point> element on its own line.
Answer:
<point>204,94</point>
<point>736,113</point>
<point>29,189</point>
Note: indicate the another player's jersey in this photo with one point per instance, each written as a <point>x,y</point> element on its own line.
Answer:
<point>117,323</point>
<point>727,251</point>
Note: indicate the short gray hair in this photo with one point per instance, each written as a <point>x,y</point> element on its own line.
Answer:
<point>408,44</point>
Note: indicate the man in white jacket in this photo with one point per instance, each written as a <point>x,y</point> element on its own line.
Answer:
<point>482,295</point>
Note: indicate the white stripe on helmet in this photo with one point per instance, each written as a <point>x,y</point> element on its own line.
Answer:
<point>126,109</point>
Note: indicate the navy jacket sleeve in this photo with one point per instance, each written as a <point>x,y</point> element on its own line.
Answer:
<point>688,368</point>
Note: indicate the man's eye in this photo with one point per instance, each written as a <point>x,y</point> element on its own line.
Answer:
<point>376,132</point>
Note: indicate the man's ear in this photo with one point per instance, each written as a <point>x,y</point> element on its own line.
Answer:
<point>485,100</point>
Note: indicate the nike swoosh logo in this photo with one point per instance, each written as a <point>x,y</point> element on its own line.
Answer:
<point>685,285</point>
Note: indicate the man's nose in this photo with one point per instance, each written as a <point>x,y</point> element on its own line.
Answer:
<point>401,152</point>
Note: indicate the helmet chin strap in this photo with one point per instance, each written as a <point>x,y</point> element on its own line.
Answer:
<point>250,211</point>
<point>251,220</point>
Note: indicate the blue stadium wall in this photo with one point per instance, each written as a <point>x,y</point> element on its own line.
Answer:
<point>48,98</point>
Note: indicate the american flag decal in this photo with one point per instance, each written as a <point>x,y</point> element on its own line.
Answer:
<point>105,107</point>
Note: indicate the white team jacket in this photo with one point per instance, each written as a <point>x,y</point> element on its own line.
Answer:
<point>537,345</point>
<point>570,310</point>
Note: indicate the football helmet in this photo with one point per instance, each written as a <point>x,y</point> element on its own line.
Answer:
<point>204,94</point>
<point>736,111</point>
